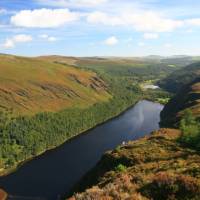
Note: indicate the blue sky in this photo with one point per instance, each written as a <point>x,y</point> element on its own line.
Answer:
<point>100,27</point>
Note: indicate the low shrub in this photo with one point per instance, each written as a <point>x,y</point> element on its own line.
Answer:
<point>120,168</point>
<point>168,186</point>
<point>190,128</point>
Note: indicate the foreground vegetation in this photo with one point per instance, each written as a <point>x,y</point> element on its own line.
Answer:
<point>155,167</point>
<point>190,128</point>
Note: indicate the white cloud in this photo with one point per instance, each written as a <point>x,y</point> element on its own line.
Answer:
<point>89,2</point>
<point>48,38</point>
<point>193,22</point>
<point>3,11</point>
<point>52,39</point>
<point>189,31</point>
<point>43,18</point>
<point>168,45</point>
<point>128,40</point>
<point>150,21</point>
<point>140,21</point>
<point>111,41</point>
<point>103,18</point>
<point>150,36</point>
<point>141,44</point>
<point>21,38</point>
<point>8,44</point>
<point>43,36</point>
<point>68,3</point>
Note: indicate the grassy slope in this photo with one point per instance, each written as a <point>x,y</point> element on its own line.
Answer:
<point>155,167</point>
<point>29,85</point>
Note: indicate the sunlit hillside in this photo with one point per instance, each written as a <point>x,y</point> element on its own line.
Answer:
<point>28,85</point>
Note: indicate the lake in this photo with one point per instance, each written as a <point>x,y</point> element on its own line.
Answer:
<point>55,172</point>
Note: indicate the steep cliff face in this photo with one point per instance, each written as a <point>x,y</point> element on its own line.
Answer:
<point>187,98</point>
<point>155,167</point>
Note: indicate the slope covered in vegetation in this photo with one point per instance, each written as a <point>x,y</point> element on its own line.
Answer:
<point>177,79</point>
<point>187,98</point>
<point>155,167</point>
<point>29,86</point>
<point>138,68</point>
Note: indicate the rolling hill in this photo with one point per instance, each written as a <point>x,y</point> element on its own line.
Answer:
<point>30,85</point>
<point>136,69</point>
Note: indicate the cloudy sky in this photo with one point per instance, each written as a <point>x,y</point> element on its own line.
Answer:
<point>100,27</point>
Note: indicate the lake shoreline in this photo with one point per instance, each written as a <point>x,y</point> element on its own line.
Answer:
<point>6,172</point>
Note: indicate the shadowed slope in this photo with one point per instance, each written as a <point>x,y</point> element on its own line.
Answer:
<point>187,98</point>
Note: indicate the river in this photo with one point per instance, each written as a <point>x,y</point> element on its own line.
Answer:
<point>55,172</point>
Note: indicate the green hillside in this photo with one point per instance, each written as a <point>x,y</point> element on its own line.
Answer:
<point>29,85</point>
<point>142,67</point>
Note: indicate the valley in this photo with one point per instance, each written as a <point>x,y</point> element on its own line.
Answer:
<point>44,102</point>
<point>71,95</point>
<point>162,166</point>
<point>99,100</point>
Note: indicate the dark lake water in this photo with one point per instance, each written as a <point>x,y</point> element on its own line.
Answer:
<point>56,171</point>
